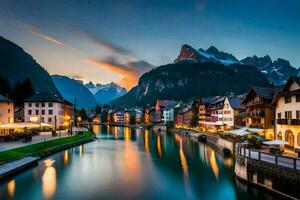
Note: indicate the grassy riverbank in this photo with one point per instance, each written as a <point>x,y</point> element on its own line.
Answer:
<point>43,148</point>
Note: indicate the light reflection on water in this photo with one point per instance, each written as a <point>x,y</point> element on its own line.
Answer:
<point>130,163</point>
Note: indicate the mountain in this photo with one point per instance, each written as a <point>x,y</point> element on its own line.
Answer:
<point>277,71</point>
<point>107,92</point>
<point>212,54</point>
<point>16,65</point>
<point>71,89</point>
<point>185,80</point>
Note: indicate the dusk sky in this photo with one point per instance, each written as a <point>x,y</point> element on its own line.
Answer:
<point>98,40</point>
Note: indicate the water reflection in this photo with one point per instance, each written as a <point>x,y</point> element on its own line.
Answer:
<point>49,179</point>
<point>11,187</point>
<point>159,146</point>
<point>146,139</point>
<point>80,151</point>
<point>66,157</point>
<point>214,164</point>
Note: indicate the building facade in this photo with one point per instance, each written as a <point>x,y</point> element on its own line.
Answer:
<point>6,110</point>
<point>287,108</point>
<point>48,108</point>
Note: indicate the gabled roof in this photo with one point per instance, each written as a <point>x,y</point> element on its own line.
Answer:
<point>264,92</point>
<point>164,103</point>
<point>184,109</point>
<point>172,105</point>
<point>290,81</point>
<point>218,103</point>
<point>4,99</point>
<point>46,97</point>
<point>284,89</point>
<point>236,103</point>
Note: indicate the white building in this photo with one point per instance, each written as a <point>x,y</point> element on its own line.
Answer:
<point>287,115</point>
<point>168,115</point>
<point>48,108</point>
<point>6,110</point>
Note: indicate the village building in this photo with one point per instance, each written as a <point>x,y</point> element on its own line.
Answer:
<point>6,110</point>
<point>287,106</point>
<point>44,107</point>
<point>259,110</point>
<point>116,116</point>
<point>168,113</point>
<point>183,116</point>
<point>159,108</point>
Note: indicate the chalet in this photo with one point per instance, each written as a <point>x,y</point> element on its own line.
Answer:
<point>183,116</point>
<point>149,114</point>
<point>287,108</point>
<point>6,110</point>
<point>232,110</point>
<point>260,112</point>
<point>159,107</point>
<point>168,113</point>
<point>116,116</point>
<point>203,111</point>
<point>44,107</point>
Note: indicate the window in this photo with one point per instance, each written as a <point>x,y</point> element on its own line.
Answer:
<point>50,104</point>
<point>29,104</point>
<point>43,112</point>
<point>298,139</point>
<point>49,119</point>
<point>8,111</point>
<point>288,114</point>
<point>42,119</point>
<point>50,112</point>
<point>287,99</point>
<point>43,104</point>
<point>297,114</point>
<point>36,112</point>
<point>279,115</point>
<point>298,98</point>
<point>29,112</point>
<point>37,105</point>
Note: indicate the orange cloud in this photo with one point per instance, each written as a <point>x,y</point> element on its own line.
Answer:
<point>37,33</point>
<point>130,72</point>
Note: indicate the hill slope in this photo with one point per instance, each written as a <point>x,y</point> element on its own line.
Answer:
<point>182,81</point>
<point>70,88</point>
<point>16,65</point>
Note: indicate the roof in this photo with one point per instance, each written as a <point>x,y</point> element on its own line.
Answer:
<point>172,105</point>
<point>184,109</point>
<point>46,97</point>
<point>236,103</point>
<point>218,103</point>
<point>4,99</point>
<point>165,103</point>
<point>264,92</point>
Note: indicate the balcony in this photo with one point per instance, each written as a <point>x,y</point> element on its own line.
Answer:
<point>256,114</point>
<point>288,121</point>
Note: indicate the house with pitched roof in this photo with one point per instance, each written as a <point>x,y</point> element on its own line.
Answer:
<point>287,113</point>
<point>45,107</point>
<point>6,110</point>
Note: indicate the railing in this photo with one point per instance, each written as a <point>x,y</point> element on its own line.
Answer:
<point>288,121</point>
<point>284,161</point>
<point>256,114</point>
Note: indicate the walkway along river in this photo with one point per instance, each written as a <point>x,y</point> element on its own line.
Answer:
<point>129,163</point>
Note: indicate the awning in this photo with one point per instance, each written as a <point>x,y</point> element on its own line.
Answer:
<point>239,132</point>
<point>255,130</point>
<point>24,125</point>
<point>275,142</point>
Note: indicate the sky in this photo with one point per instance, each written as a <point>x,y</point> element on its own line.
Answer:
<point>118,40</point>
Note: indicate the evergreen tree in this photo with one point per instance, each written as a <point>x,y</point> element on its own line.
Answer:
<point>98,109</point>
<point>5,87</point>
<point>27,89</point>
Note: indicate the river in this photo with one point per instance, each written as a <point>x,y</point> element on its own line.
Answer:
<point>129,163</point>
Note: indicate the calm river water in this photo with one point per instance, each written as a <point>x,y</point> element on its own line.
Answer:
<point>129,163</point>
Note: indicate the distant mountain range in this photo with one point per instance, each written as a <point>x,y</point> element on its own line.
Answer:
<point>184,81</point>
<point>277,71</point>
<point>105,93</point>
<point>202,73</point>
<point>71,89</point>
<point>16,65</point>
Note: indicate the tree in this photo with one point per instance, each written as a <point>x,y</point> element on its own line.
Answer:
<point>104,116</point>
<point>98,109</point>
<point>82,114</point>
<point>132,119</point>
<point>5,87</point>
<point>194,120</point>
<point>22,91</point>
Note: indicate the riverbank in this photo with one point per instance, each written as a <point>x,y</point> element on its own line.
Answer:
<point>220,144</point>
<point>15,160</point>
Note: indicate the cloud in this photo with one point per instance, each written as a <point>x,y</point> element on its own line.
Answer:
<point>110,47</point>
<point>34,31</point>
<point>130,71</point>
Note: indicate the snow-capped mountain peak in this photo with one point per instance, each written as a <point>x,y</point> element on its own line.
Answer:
<point>212,54</point>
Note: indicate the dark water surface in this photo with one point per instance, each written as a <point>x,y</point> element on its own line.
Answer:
<point>132,164</point>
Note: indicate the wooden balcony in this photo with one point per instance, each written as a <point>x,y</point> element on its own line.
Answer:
<point>288,121</point>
